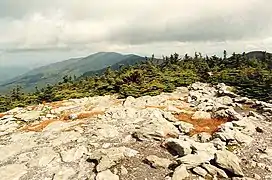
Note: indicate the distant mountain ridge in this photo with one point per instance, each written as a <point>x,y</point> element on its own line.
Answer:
<point>258,55</point>
<point>53,73</point>
<point>130,60</point>
<point>9,72</point>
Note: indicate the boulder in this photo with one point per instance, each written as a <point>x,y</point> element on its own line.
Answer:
<point>181,147</point>
<point>107,175</point>
<point>204,137</point>
<point>108,158</point>
<point>200,171</point>
<point>194,160</point>
<point>157,127</point>
<point>233,114</point>
<point>184,127</point>
<point>123,170</point>
<point>245,125</point>
<point>224,100</point>
<point>227,160</point>
<point>203,147</point>
<point>180,173</point>
<point>157,162</point>
<point>214,170</point>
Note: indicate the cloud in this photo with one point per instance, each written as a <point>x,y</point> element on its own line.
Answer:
<point>137,25</point>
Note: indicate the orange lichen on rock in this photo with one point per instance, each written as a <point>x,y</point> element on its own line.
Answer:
<point>202,125</point>
<point>2,115</point>
<point>38,127</point>
<point>64,117</point>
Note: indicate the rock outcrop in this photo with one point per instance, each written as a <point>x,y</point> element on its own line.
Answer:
<point>169,136</point>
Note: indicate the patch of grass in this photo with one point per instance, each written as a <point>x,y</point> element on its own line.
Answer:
<point>39,126</point>
<point>202,125</point>
<point>232,148</point>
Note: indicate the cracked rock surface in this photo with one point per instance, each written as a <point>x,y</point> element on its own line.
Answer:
<point>169,136</point>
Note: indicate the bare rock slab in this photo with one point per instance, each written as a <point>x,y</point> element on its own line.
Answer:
<point>12,171</point>
<point>229,161</point>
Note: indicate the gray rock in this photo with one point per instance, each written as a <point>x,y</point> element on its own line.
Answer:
<point>257,177</point>
<point>184,127</point>
<point>245,125</point>
<point>85,169</point>
<point>240,99</point>
<point>44,157</point>
<point>110,157</point>
<point>64,173</point>
<point>218,144</point>
<point>206,106</point>
<point>169,117</point>
<point>29,116</point>
<point>267,153</point>
<point>256,115</point>
<point>221,113</point>
<point>180,173</point>
<point>158,127</point>
<point>242,178</point>
<point>181,147</point>
<point>15,148</point>
<point>223,90</point>
<point>13,171</point>
<point>194,160</point>
<point>74,154</point>
<point>107,175</point>
<point>214,170</point>
<point>204,137</point>
<point>157,162</point>
<point>107,131</point>
<point>123,170</point>
<point>242,138</point>
<point>268,168</point>
<point>227,160</point>
<point>130,101</point>
<point>224,100</point>
<point>64,137</point>
<point>203,147</point>
<point>200,171</point>
<point>201,115</point>
<point>233,114</point>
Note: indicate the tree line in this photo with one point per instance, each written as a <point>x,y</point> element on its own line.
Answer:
<point>251,77</point>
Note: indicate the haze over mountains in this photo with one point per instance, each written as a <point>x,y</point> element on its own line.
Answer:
<point>9,72</point>
<point>53,73</point>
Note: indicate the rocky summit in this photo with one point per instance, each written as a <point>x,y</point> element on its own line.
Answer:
<point>196,132</point>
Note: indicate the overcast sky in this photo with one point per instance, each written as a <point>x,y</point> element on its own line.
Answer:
<point>35,32</point>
